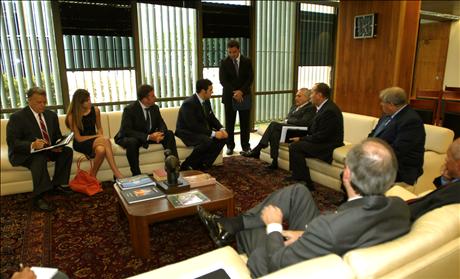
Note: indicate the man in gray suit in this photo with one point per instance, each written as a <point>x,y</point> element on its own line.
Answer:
<point>366,219</point>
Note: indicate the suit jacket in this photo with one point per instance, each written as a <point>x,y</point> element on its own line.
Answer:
<point>231,81</point>
<point>192,122</point>
<point>359,223</point>
<point>326,129</point>
<point>22,129</point>
<point>406,134</point>
<point>302,117</point>
<point>443,195</point>
<point>134,124</point>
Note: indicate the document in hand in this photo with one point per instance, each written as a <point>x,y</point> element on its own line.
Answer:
<point>288,132</point>
<point>59,143</point>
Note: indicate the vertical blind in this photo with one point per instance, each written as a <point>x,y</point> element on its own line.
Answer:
<point>168,50</point>
<point>103,65</point>
<point>275,42</point>
<point>28,53</point>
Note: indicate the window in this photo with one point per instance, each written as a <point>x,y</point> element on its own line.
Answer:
<point>28,56</point>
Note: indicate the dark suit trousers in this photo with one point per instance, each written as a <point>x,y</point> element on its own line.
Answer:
<point>272,135</point>
<point>37,163</point>
<point>300,150</point>
<point>204,153</point>
<point>132,146</point>
<point>298,209</point>
<point>230,118</point>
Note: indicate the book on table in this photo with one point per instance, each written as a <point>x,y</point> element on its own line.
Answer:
<point>142,194</point>
<point>201,179</point>
<point>187,198</point>
<point>160,174</point>
<point>288,132</point>
<point>136,181</point>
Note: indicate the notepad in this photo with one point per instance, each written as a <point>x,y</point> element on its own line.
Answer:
<point>44,272</point>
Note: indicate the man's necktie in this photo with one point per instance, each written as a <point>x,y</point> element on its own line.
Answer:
<point>235,63</point>
<point>382,126</point>
<point>149,124</point>
<point>43,129</point>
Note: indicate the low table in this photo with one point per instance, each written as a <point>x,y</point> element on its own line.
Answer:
<point>141,215</point>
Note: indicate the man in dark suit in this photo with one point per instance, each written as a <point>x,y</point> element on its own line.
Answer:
<point>368,217</point>
<point>141,125</point>
<point>403,129</point>
<point>31,129</point>
<point>300,114</point>
<point>197,126</point>
<point>448,185</point>
<point>324,135</point>
<point>236,76</point>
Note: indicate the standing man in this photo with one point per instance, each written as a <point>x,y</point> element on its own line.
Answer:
<point>31,129</point>
<point>368,217</point>
<point>300,114</point>
<point>324,135</point>
<point>403,129</point>
<point>236,76</point>
<point>197,126</point>
<point>141,125</point>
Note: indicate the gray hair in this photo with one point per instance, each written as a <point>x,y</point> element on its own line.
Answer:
<point>373,167</point>
<point>305,91</point>
<point>393,95</point>
<point>35,90</point>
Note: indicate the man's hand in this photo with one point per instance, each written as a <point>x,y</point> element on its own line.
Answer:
<point>296,139</point>
<point>25,273</point>
<point>39,144</point>
<point>221,134</point>
<point>291,236</point>
<point>156,136</point>
<point>238,95</point>
<point>272,214</point>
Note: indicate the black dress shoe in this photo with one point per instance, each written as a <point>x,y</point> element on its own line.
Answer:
<point>272,166</point>
<point>252,153</point>
<point>62,190</point>
<point>229,151</point>
<point>42,205</point>
<point>216,231</point>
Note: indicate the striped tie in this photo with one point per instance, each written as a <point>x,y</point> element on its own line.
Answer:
<point>43,129</point>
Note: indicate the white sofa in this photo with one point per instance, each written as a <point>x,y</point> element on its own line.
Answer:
<point>356,128</point>
<point>430,250</point>
<point>19,179</point>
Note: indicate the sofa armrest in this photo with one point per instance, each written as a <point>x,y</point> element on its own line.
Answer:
<point>226,258</point>
<point>329,266</point>
<point>398,191</point>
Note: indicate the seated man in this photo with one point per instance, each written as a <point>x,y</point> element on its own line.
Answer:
<point>367,219</point>
<point>448,185</point>
<point>300,114</point>
<point>33,128</point>
<point>141,125</point>
<point>323,136</point>
<point>197,126</point>
<point>403,129</point>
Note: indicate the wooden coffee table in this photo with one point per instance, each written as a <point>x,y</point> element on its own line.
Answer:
<point>141,215</point>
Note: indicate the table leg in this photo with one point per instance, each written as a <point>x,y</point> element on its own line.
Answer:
<point>140,237</point>
<point>231,207</point>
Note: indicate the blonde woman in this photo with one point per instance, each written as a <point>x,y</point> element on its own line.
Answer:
<point>85,121</point>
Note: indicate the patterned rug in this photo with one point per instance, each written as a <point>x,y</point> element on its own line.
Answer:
<point>87,238</point>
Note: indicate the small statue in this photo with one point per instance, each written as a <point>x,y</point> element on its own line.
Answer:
<point>172,167</point>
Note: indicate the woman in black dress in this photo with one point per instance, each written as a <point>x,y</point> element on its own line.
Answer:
<point>85,122</point>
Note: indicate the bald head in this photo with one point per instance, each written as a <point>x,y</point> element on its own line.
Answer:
<point>373,167</point>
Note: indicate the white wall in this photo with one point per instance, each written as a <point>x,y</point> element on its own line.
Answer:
<point>452,73</point>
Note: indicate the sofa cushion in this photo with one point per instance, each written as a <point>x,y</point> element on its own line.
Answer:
<point>340,153</point>
<point>356,127</point>
<point>432,230</point>
<point>226,258</point>
<point>438,138</point>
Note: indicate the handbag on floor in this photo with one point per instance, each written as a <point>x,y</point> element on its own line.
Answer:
<point>83,182</point>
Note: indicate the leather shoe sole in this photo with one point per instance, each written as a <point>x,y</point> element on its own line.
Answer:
<point>42,205</point>
<point>218,235</point>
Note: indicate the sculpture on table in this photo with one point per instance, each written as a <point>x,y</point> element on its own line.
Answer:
<point>172,167</point>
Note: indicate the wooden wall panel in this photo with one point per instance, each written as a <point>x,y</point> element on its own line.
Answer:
<point>366,66</point>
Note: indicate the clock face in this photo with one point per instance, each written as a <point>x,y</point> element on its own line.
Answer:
<point>364,26</point>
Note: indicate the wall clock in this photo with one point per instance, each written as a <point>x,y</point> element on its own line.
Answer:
<point>365,26</point>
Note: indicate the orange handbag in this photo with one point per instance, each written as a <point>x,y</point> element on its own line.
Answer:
<point>83,182</point>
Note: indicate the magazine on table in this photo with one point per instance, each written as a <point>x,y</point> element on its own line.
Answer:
<point>142,194</point>
<point>288,132</point>
<point>187,198</point>
<point>199,180</point>
<point>160,174</point>
<point>59,143</point>
<point>136,181</point>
